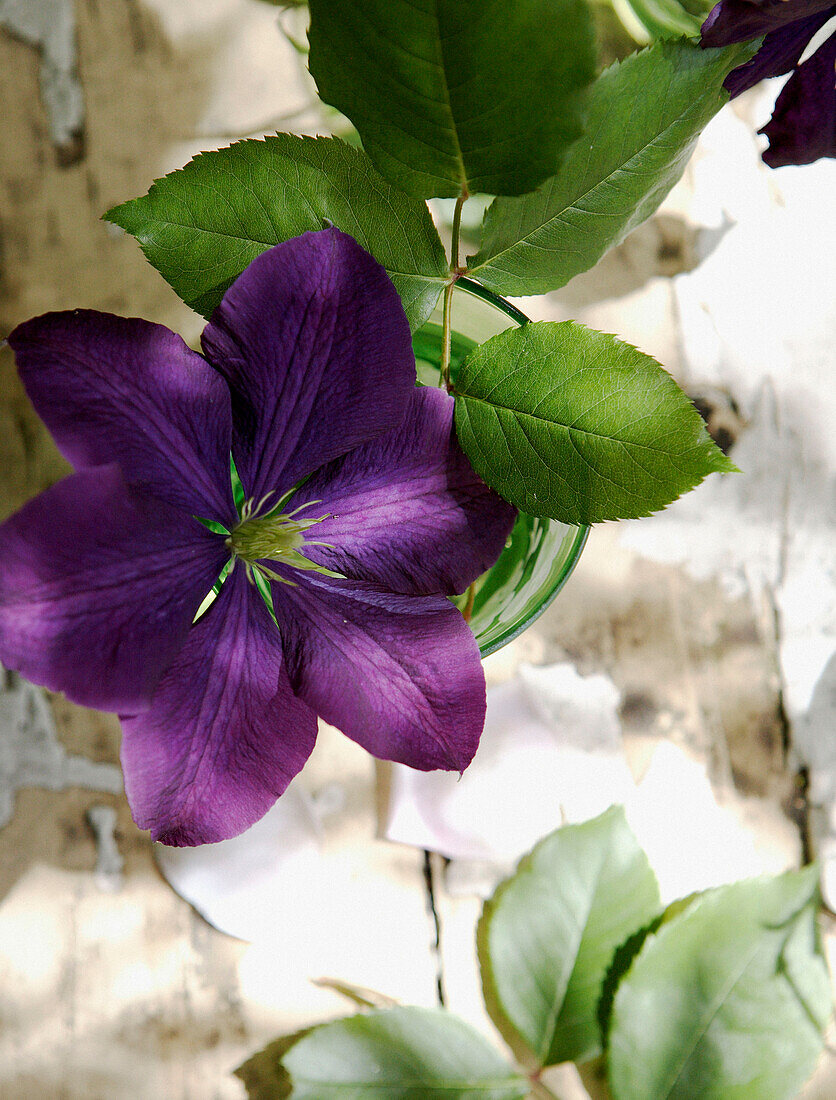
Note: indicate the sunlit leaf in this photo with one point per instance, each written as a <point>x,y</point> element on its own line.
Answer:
<point>547,936</point>
<point>728,1001</point>
<point>400,1054</point>
<point>573,424</point>
<point>644,119</point>
<point>624,957</point>
<point>203,224</point>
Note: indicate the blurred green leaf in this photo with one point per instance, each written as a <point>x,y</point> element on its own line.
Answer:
<point>547,936</point>
<point>573,424</point>
<point>615,41</point>
<point>264,1076</point>
<point>203,224</point>
<point>359,995</point>
<point>644,119</point>
<point>457,95</point>
<point>728,1001</point>
<point>623,959</point>
<point>400,1054</point>
<point>663,18</point>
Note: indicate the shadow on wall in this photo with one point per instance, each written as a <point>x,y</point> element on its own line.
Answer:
<point>49,27</point>
<point>142,96</point>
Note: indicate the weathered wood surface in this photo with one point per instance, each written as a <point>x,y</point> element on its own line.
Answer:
<point>111,986</point>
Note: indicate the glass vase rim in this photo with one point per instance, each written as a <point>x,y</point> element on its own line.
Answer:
<point>572,558</point>
<point>581,531</point>
<point>471,286</point>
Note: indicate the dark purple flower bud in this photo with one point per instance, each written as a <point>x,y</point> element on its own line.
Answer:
<point>803,125</point>
<point>739,20</point>
<point>802,128</point>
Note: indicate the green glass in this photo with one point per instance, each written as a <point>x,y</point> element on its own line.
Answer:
<point>540,553</point>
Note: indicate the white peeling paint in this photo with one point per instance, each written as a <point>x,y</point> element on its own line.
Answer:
<point>31,754</point>
<point>49,26</point>
<point>758,318</point>
<point>109,862</point>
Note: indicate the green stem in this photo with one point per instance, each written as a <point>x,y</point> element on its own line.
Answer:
<point>455,272</point>
<point>446,335</point>
<point>457,229</point>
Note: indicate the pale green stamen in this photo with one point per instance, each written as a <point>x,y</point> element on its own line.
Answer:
<point>276,537</point>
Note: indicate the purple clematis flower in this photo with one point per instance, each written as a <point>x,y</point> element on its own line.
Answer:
<point>362,515</point>
<point>803,125</point>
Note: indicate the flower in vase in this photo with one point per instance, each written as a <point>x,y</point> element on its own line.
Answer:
<point>803,125</point>
<point>352,516</point>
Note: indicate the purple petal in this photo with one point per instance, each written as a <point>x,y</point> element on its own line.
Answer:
<point>400,675</point>
<point>115,389</point>
<point>408,511</point>
<point>778,55</point>
<point>99,585</point>
<point>316,348</point>
<point>738,20</point>
<point>803,125</point>
<point>224,735</point>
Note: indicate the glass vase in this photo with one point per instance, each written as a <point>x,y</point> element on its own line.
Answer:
<point>540,553</point>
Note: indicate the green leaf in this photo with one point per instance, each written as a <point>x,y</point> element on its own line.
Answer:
<point>546,938</point>
<point>264,1076</point>
<point>620,963</point>
<point>623,959</point>
<point>728,1001</point>
<point>457,95</point>
<point>644,118</point>
<point>203,224</point>
<point>573,424</point>
<point>400,1054</point>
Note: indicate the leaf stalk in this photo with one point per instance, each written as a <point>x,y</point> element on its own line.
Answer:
<point>456,271</point>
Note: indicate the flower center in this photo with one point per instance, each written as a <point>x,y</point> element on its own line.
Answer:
<point>275,536</point>
<point>266,537</point>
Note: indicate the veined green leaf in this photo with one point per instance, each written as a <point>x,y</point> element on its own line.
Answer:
<point>644,118</point>
<point>203,224</point>
<point>457,95</point>
<point>728,1001</point>
<point>547,936</point>
<point>400,1054</point>
<point>573,424</point>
